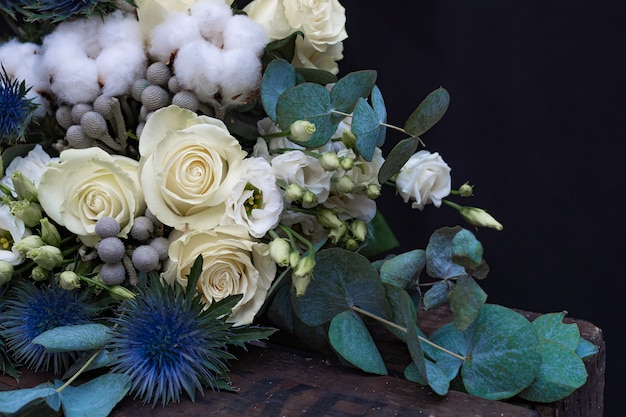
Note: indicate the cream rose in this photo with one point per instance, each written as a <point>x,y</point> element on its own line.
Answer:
<point>232,264</point>
<point>425,178</point>
<point>188,167</point>
<point>323,23</point>
<point>88,184</point>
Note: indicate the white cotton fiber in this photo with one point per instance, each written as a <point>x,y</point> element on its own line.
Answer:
<point>243,33</point>
<point>178,30</point>
<point>119,67</point>
<point>198,67</point>
<point>241,71</point>
<point>212,18</point>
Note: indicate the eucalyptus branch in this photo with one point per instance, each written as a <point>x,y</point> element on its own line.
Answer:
<point>80,371</point>
<point>403,329</point>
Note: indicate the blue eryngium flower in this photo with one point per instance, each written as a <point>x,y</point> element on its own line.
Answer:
<point>15,108</point>
<point>165,342</point>
<point>31,309</point>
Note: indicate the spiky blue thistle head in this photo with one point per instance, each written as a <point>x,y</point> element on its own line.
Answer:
<point>166,343</point>
<point>16,109</point>
<point>31,309</point>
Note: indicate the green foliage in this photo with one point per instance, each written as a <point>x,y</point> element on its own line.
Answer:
<point>74,338</point>
<point>397,158</point>
<point>380,237</point>
<point>95,398</point>
<point>279,76</point>
<point>428,113</point>
<point>11,402</point>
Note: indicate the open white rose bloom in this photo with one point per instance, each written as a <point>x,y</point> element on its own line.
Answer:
<point>200,175</point>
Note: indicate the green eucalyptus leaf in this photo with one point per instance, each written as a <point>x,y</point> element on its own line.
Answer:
<point>366,127</point>
<point>380,237</point>
<point>437,295</point>
<point>341,280</point>
<point>466,299</point>
<point>479,272</point>
<point>11,402</point>
<point>103,359</point>
<point>585,348</point>
<point>348,89</point>
<point>351,339</point>
<point>76,337</point>
<point>317,76</point>
<point>562,371</point>
<point>467,251</point>
<point>428,113</point>
<point>403,270</point>
<point>279,76</point>
<point>436,379</point>
<point>503,357</point>
<point>550,326</point>
<point>378,104</point>
<point>439,263</point>
<point>95,398</point>
<point>310,102</point>
<point>282,48</point>
<point>396,159</point>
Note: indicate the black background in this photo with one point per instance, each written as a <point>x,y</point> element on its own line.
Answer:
<point>536,123</point>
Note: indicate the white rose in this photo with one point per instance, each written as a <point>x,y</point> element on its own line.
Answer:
<point>88,184</point>
<point>425,178</point>
<point>256,200</point>
<point>188,167</point>
<point>296,167</point>
<point>32,166</point>
<point>322,22</point>
<point>12,230</point>
<point>232,264</point>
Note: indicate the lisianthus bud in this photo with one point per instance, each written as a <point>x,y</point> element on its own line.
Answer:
<point>479,217</point>
<point>121,293</point>
<point>24,187</point>
<point>351,244</point>
<point>329,161</point>
<point>348,138</point>
<point>294,258</point>
<point>26,211</point>
<point>28,243</point>
<point>6,272</point>
<point>328,218</point>
<point>46,256</point>
<point>346,163</point>
<point>280,250</point>
<point>68,280</point>
<point>293,192</point>
<point>345,184</point>
<point>372,191</point>
<point>336,233</point>
<point>308,197</point>
<point>39,274</point>
<point>49,233</point>
<point>359,229</point>
<point>466,190</point>
<point>301,276</point>
<point>302,130</point>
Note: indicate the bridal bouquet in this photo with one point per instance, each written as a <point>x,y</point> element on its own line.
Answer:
<point>175,170</point>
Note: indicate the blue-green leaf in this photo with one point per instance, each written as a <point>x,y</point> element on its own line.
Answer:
<point>466,300</point>
<point>466,249</point>
<point>550,326</point>
<point>380,237</point>
<point>278,77</point>
<point>378,104</point>
<point>403,270</point>
<point>104,358</point>
<point>585,348</point>
<point>437,295</point>
<point>562,371</point>
<point>95,398</point>
<point>310,102</point>
<point>396,159</point>
<point>74,338</point>
<point>351,339</point>
<point>439,262</point>
<point>428,113</point>
<point>341,280</point>
<point>366,127</point>
<point>436,378</point>
<point>350,88</point>
<point>12,401</point>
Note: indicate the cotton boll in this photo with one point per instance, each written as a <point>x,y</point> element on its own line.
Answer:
<point>119,28</point>
<point>243,33</point>
<point>198,67</point>
<point>74,77</point>
<point>241,75</point>
<point>80,32</point>
<point>177,30</point>
<point>212,18</point>
<point>119,67</point>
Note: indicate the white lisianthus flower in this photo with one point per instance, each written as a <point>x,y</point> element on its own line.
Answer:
<point>296,167</point>
<point>352,206</point>
<point>425,178</point>
<point>88,184</point>
<point>32,166</point>
<point>322,22</point>
<point>12,230</point>
<point>188,167</point>
<point>256,200</point>
<point>233,263</point>
<point>306,223</point>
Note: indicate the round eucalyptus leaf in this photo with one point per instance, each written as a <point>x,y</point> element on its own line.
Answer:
<point>366,127</point>
<point>348,89</point>
<point>402,270</point>
<point>439,262</point>
<point>437,295</point>
<point>278,77</point>
<point>466,249</point>
<point>76,337</point>
<point>437,379</point>
<point>550,326</point>
<point>378,104</point>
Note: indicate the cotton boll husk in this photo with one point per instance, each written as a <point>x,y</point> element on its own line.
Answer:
<point>242,32</point>
<point>241,75</point>
<point>119,67</point>
<point>198,67</point>
<point>212,18</point>
<point>178,30</point>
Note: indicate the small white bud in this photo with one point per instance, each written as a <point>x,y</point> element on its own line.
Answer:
<point>302,130</point>
<point>329,161</point>
<point>68,280</point>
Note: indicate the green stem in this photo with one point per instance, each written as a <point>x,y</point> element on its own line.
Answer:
<point>80,371</point>
<point>277,135</point>
<point>292,233</point>
<point>403,329</point>
<point>452,204</point>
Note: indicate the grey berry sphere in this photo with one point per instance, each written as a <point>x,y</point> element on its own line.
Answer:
<point>142,228</point>
<point>145,258</point>
<point>107,227</point>
<point>113,273</point>
<point>161,245</point>
<point>111,249</point>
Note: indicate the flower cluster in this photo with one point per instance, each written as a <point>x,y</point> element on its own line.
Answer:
<point>188,148</point>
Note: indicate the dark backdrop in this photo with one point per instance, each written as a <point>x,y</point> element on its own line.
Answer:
<point>536,122</point>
